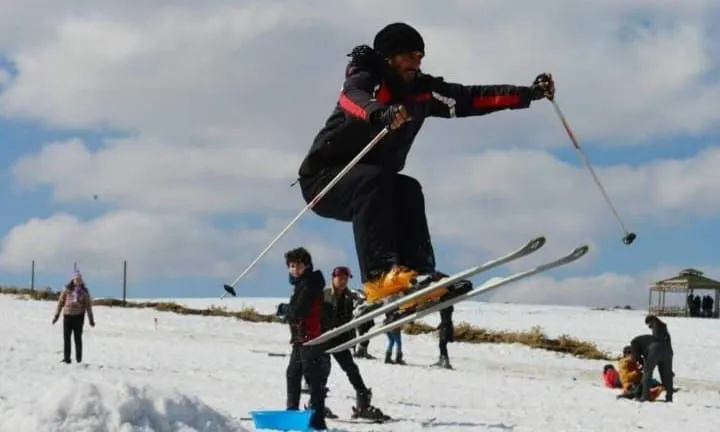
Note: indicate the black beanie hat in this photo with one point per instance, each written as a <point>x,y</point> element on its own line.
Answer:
<point>398,38</point>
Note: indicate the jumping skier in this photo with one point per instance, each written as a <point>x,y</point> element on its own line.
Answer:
<point>384,86</point>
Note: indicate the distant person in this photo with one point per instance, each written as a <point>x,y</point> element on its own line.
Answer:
<point>446,334</point>
<point>281,312</point>
<point>305,318</point>
<point>361,351</point>
<point>74,302</point>
<point>632,373</point>
<point>339,305</point>
<point>655,351</point>
<point>394,341</point>
<point>630,370</point>
<point>707,306</point>
<point>611,377</point>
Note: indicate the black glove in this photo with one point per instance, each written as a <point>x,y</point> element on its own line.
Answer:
<point>543,87</point>
<point>394,116</point>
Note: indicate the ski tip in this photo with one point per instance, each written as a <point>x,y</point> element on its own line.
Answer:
<point>316,341</point>
<point>230,290</point>
<point>535,244</point>
<point>579,251</point>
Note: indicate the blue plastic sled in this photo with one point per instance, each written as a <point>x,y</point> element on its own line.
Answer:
<point>282,420</point>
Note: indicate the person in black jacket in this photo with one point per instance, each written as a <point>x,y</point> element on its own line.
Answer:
<point>305,318</point>
<point>655,350</point>
<point>339,301</point>
<point>446,334</point>
<point>384,86</point>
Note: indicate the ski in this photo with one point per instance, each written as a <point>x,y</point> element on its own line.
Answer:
<point>384,306</point>
<point>360,420</point>
<point>576,254</point>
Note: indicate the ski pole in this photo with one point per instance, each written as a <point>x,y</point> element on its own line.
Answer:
<point>628,237</point>
<point>230,288</point>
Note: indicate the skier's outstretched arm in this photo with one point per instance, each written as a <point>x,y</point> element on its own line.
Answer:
<point>459,100</point>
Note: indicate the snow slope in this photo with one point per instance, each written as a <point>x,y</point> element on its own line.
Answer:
<point>204,374</point>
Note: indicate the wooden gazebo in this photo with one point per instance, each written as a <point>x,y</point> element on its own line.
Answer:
<point>687,283</point>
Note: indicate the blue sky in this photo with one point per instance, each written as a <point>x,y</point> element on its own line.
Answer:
<point>191,160</point>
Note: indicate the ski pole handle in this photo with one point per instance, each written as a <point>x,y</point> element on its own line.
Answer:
<point>314,201</point>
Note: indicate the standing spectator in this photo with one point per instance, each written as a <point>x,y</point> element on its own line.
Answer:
<point>339,305</point>
<point>711,311</point>
<point>74,303</point>
<point>394,340</point>
<point>691,305</point>
<point>446,335</point>
<point>707,306</point>
<point>655,351</point>
<point>362,349</point>
<point>305,317</point>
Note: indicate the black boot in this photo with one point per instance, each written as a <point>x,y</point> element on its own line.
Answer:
<point>329,414</point>
<point>362,352</point>
<point>458,288</point>
<point>399,358</point>
<point>443,362</point>
<point>364,409</point>
<point>388,358</point>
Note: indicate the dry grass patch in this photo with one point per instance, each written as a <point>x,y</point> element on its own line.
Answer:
<point>464,332</point>
<point>534,338</point>
<point>247,313</point>
<point>38,294</point>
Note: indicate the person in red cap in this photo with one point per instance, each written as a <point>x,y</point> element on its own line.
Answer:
<point>385,87</point>
<point>339,305</point>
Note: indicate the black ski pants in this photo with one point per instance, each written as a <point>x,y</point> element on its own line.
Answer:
<point>312,364</point>
<point>446,330</point>
<point>345,359</point>
<point>660,355</point>
<point>364,328</point>
<point>387,211</point>
<point>73,329</point>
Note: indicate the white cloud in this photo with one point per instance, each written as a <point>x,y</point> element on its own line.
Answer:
<point>491,200</point>
<point>221,100</point>
<point>155,245</point>
<point>606,289</point>
<point>187,69</point>
<point>155,176</point>
<point>4,78</point>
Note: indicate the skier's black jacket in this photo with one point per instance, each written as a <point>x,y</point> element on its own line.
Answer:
<point>370,87</point>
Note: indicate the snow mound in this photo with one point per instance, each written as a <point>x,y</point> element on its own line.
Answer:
<point>84,405</point>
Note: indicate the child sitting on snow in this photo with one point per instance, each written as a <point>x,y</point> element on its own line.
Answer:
<point>611,378</point>
<point>631,377</point>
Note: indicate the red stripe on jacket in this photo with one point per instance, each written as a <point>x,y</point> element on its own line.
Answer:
<point>481,102</point>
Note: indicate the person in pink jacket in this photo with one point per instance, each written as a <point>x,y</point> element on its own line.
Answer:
<point>74,303</point>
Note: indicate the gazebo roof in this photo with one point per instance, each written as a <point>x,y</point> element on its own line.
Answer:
<point>688,279</point>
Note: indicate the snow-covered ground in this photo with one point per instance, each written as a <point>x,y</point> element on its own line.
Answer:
<point>196,373</point>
